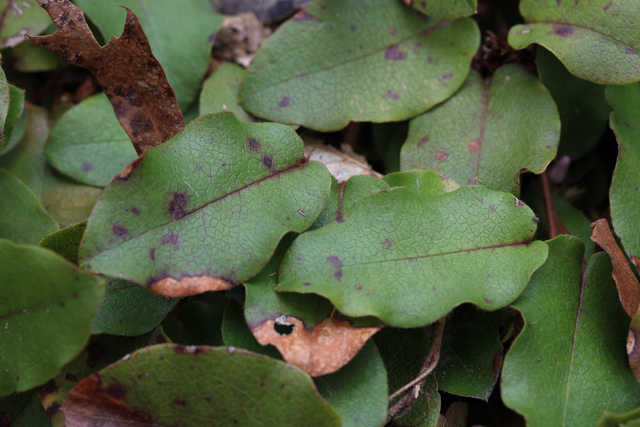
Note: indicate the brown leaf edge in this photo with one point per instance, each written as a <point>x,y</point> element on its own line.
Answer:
<point>626,281</point>
<point>132,78</point>
<point>322,350</point>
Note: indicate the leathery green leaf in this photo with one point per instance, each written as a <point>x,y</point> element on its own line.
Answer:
<point>88,144</point>
<point>220,92</point>
<point>206,209</point>
<point>171,385</point>
<point>357,60</point>
<point>484,134</point>
<point>581,34</point>
<point>65,242</point>
<point>44,300</point>
<point>572,348</point>
<point>182,50</point>
<point>445,9</point>
<point>624,194</point>
<point>392,255</point>
<point>22,217</point>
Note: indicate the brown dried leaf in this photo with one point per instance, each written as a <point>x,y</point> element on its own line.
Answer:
<point>340,165</point>
<point>322,350</point>
<point>186,286</point>
<point>129,74</point>
<point>626,281</point>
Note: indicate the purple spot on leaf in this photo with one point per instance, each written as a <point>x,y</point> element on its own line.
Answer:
<point>284,102</point>
<point>394,54</point>
<point>119,230</point>
<point>563,30</point>
<point>335,261</point>
<point>86,167</point>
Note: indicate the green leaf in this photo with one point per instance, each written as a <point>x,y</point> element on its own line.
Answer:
<point>624,194</point>
<point>11,117</point>
<point>596,40</point>
<point>484,133</point>
<point>45,300</point>
<point>409,255</point>
<point>206,209</point>
<point>23,410</point>
<point>445,9</point>
<point>358,391</point>
<point>582,106</point>
<point>471,353</point>
<point>65,242</point>
<point>101,351</point>
<point>5,99</point>
<point>22,217</point>
<point>220,92</point>
<point>569,363</point>
<point>426,410</point>
<point>88,144</point>
<point>628,419</point>
<point>179,33</point>
<point>172,385</point>
<point>357,61</point>
<point>129,309</point>
<point>21,18</point>
<point>29,58</point>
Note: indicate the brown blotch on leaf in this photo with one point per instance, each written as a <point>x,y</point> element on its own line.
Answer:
<point>177,205</point>
<point>475,145</point>
<point>284,102</point>
<point>626,282</point>
<point>387,243</point>
<point>254,145</point>
<point>125,174</point>
<point>129,74</point>
<point>393,53</point>
<point>180,402</point>
<point>631,51</point>
<point>563,30</point>
<point>267,161</point>
<point>303,16</point>
<point>442,156</point>
<point>119,230</point>
<point>322,350</point>
<point>187,286</point>
<point>423,141</point>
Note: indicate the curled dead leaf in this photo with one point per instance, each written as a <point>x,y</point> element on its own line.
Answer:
<point>320,351</point>
<point>129,74</point>
<point>186,286</point>
<point>340,164</point>
<point>626,281</point>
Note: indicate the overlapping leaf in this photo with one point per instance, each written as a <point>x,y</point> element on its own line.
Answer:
<point>205,210</point>
<point>220,92</point>
<point>583,34</point>
<point>20,18</point>
<point>402,244</point>
<point>360,61</point>
<point>624,194</point>
<point>45,300</point>
<point>88,144</point>
<point>22,217</point>
<point>572,348</point>
<point>65,242</point>
<point>484,133</point>
<point>426,410</point>
<point>182,49</point>
<point>170,385</point>
<point>444,9</point>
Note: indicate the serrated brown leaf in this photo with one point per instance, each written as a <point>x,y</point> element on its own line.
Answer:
<point>626,281</point>
<point>322,350</point>
<point>129,74</point>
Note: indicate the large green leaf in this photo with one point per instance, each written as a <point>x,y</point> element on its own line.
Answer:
<point>220,92</point>
<point>484,133</point>
<point>22,217</point>
<point>410,254</point>
<point>357,60</point>
<point>445,9</point>
<point>582,106</point>
<point>569,364</point>
<point>358,391</point>
<point>206,209</point>
<point>624,194</point>
<point>88,144</point>
<point>46,309</point>
<point>175,385</point>
<point>179,33</point>
<point>23,410</point>
<point>596,40</point>
<point>20,18</point>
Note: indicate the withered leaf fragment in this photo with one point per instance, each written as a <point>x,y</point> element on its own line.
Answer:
<point>626,282</point>
<point>129,74</point>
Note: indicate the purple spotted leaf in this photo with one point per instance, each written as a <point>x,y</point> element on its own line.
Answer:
<point>205,210</point>
<point>357,61</point>
<point>596,40</point>
<point>425,246</point>
<point>170,384</point>
<point>483,135</point>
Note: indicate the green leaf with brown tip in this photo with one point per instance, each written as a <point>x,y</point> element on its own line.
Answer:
<point>357,61</point>
<point>410,254</point>
<point>205,210</point>
<point>569,364</point>
<point>484,133</point>
<point>171,385</point>
<point>44,300</point>
<point>596,40</point>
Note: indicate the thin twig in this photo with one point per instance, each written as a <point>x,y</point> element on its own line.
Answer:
<point>430,363</point>
<point>552,216</point>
